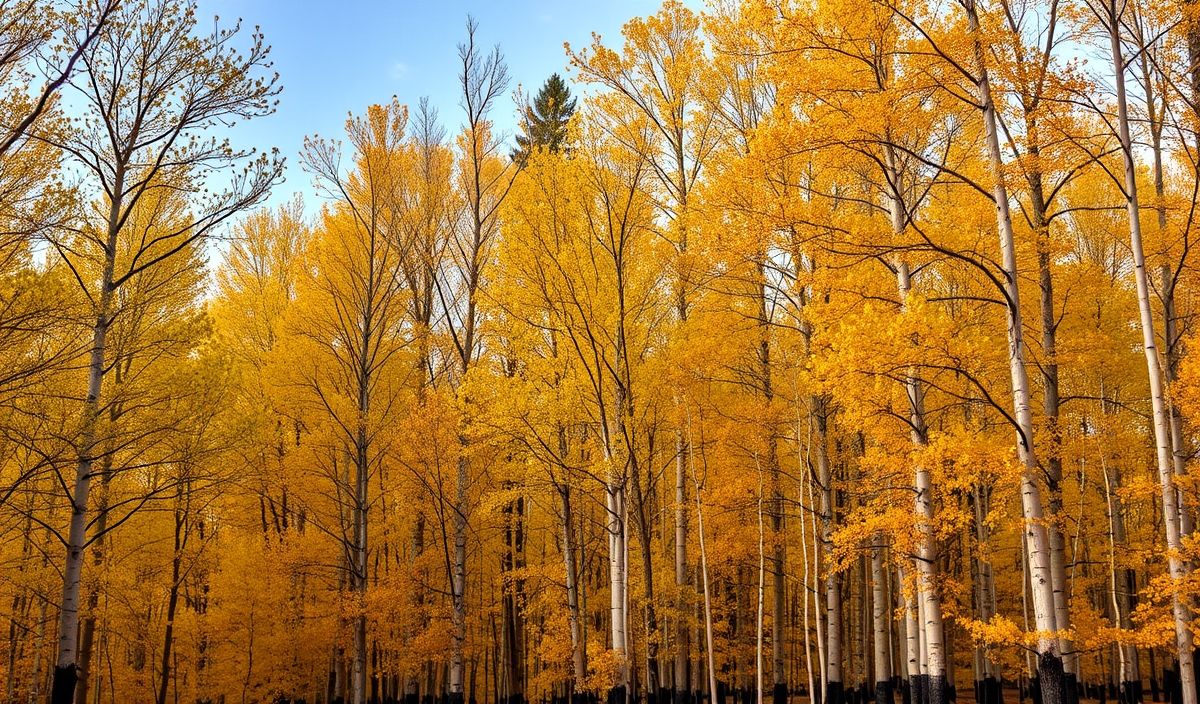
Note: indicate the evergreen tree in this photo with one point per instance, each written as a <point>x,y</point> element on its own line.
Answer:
<point>545,123</point>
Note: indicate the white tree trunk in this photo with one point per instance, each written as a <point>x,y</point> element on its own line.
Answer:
<point>933,657</point>
<point>833,599</point>
<point>683,452</point>
<point>1162,424</point>
<point>708,621</point>
<point>758,621</point>
<point>578,664</point>
<point>68,623</point>
<point>1119,615</point>
<point>359,561</point>
<point>881,631</point>
<point>65,674</point>
<point>912,639</point>
<point>1037,539</point>
<point>618,573</point>
<point>458,615</point>
<point>808,579</point>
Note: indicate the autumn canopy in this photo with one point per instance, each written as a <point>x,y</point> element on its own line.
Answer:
<point>810,352</point>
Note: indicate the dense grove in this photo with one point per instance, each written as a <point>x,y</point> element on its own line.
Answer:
<point>835,349</point>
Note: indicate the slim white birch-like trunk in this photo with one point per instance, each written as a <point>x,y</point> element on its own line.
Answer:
<point>833,599</point>
<point>578,664</point>
<point>762,571</point>
<point>65,675</point>
<point>708,620</point>
<point>814,592</point>
<point>881,631</point>
<point>1162,424</point>
<point>912,638</point>
<point>808,589</point>
<point>1111,510</point>
<point>458,614</point>
<point>933,657</point>
<point>617,552</point>
<point>683,452</point>
<point>1050,665</point>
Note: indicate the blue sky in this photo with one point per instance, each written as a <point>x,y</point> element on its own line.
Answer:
<point>334,57</point>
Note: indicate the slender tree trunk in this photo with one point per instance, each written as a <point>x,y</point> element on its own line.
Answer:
<point>912,641</point>
<point>834,685</point>
<point>1173,341</point>
<point>778,579</point>
<point>808,580</point>
<point>65,673</point>
<point>1162,425</point>
<point>1050,667</point>
<point>713,692</point>
<point>778,542</point>
<point>1130,681</point>
<point>87,630</point>
<point>172,599</point>
<point>930,604</point>
<point>682,646</point>
<point>1050,407</point>
<point>881,631</point>
<point>458,616</point>
<point>758,620</point>
<point>651,617</point>
<point>932,628</point>
<point>988,682</point>
<point>617,558</point>
<point>578,663</point>
<point>814,590</point>
<point>926,558</point>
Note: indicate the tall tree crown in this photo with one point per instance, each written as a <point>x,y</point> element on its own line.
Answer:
<point>544,122</point>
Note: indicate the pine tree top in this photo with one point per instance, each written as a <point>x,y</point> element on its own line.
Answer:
<point>545,119</point>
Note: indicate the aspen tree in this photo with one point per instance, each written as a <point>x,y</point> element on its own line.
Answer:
<point>357,260</point>
<point>483,77</point>
<point>1050,657</point>
<point>655,78</point>
<point>1048,167</point>
<point>1111,17</point>
<point>185,83</point>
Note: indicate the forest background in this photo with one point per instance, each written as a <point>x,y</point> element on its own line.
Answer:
<point>712,378</point>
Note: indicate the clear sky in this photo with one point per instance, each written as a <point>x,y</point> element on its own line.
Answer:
<point>334,57</point>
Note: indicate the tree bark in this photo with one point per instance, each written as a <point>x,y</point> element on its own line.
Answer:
<point>912,641</point>
<point>173,597</point>
<point>682,646</point>
<point>458,615</point>
<point>65,673</point>
<point>834,684</point>
<point>578,663</point>
<point>713,692</point>
<point>758,619</point>
<point>1162,424</point>
<point>651,617</point>
<point>881,630</point>
<point>1050,667</point>
<point>87,628</point>
<point>617,571</point>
